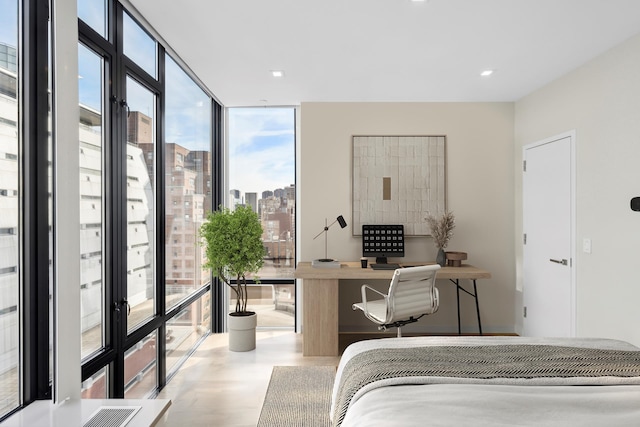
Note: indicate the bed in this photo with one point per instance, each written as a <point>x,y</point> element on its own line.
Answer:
<point>487,381</point>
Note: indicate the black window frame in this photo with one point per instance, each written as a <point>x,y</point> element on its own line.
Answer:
<point>35,103</point>
<point>117,340</point>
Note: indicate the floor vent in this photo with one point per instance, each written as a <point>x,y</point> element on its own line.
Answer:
<point>112,416</point>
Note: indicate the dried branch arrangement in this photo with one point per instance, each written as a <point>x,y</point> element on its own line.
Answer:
<point>442,228</point>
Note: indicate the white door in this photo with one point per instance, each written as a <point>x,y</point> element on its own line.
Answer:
<point>548,224</point>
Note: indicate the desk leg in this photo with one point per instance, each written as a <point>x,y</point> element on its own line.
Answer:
<point>475,293</point>
<point>458,299</point>
<point>320,317</point>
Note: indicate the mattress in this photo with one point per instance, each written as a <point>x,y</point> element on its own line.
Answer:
<point>510,381</point>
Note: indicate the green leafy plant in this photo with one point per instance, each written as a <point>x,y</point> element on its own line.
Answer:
<point>442,228</point>
<point>234,249</point>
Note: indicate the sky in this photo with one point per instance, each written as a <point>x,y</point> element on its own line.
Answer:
<point>89,79</point>
<point>188,110</point>
<point>261,140</point>
<point>8,22</point>
<point>261,148</point>
<point>93,13</point>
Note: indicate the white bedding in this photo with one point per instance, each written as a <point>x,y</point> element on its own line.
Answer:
<point>447,402</point>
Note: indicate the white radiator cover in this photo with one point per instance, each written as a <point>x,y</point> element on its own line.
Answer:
<point>112,416</point>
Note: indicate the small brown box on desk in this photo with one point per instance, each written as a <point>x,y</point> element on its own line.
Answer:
<point>454,259</point>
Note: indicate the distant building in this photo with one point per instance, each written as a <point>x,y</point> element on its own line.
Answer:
<point>251,199</point>
<point>9,210</point>
<point>188,195</point>
<point>235,198</point>
<point>268,205</point>
<point>200,162</point>
<point>290,192</point>
<point>140,220</point>
<point>8,58</point>
<point>139,128</point>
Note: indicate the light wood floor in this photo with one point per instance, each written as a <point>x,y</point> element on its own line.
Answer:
<point>218,387</point>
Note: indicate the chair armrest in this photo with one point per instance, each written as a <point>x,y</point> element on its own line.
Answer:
<point>363,291</point>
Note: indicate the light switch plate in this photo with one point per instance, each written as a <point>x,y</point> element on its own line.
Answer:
<point>586,245</point>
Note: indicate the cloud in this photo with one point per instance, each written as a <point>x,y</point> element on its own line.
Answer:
<point>261,148</point>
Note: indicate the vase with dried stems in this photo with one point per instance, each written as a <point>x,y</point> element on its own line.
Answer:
<point>441,231</point>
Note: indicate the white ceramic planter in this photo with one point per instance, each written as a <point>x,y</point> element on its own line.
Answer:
<point>242,332</point>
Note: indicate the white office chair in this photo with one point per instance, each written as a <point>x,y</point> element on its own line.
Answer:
<point>412,294</point>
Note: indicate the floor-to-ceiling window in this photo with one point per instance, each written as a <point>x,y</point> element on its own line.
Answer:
<point>262,175</point>
<point>95,138</point>
<point>135,324</point>
<point>189,195</point>
<point>91,74</point>
<point>148,175</point>
<point>10,196</point>
<point>141,203</point>
<point>24,204</point>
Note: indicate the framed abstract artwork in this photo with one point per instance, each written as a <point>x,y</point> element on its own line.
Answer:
<point>398,180</point>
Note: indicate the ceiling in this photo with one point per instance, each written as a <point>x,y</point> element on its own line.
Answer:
<point>385,50</point>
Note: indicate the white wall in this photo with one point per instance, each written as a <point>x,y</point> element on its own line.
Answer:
<point>601,101</point>
<point>479,192</point>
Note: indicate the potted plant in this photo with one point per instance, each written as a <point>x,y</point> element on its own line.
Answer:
<point>234,249</point>
<point>442,231</point>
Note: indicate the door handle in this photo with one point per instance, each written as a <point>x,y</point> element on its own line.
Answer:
<point>126,303</point>
<point>560,261</point>
<point>123,303</point>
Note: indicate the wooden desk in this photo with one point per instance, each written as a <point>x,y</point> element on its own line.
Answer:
<point>320,299</point>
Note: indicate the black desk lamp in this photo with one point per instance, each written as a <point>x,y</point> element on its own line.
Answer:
<point>340,220</point>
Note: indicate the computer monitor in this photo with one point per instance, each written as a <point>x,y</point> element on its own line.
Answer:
<point>382,241</point>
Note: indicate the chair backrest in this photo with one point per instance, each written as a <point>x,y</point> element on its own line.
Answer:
<point>412,292</point>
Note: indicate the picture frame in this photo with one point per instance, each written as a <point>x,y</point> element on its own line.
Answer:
<point>398,180</point>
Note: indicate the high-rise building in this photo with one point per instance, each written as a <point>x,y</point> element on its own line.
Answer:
<point>139,128</point>
<point>9,210</point>
<point>188,196</point>
<point>140,219</point>
<point>200,162</point>
<point>251,199</point>
<point>290,192</point>
<point>235,198</point>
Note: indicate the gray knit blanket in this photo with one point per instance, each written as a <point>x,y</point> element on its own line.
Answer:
<point>523,364</point>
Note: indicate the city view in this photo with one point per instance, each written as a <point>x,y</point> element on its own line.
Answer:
<point>9,228</point>
<point>188,191</point>
<point>261,168</point>
<point>276,210</point>
<point>274,302</point>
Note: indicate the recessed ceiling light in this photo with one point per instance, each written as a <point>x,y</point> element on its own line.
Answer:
<point>277,73</point>
<point>486,73</point>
